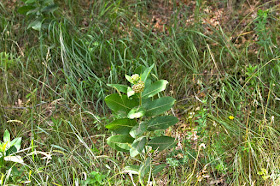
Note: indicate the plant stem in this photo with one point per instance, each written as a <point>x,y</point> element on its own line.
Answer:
<point>140,99</point>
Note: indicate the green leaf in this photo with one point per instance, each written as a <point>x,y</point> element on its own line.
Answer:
<point>119,87</point>
<point>133,152</point>
<point>138,130</point>
<point>148,83</point>
<point>36,25</point>
<point>13,146</point>
<point>11,150</point>
<point>130,92</point>
<point>16,159</point>
<point>158,106</point>
<point>158,168</point>
<point>139,144</point>
<point>120,104</point>
<point>155,88</point>
<point>121,126</point>
<point>146,73</point>
<point>34,11</point>
<point>25,9</point>
<point>144,170</point>
<point>16,143</point>
<point>161,143</point>
<point>133,169</point>
<point>140,69</point>
<point>161,122</point>
<point>50,8</point>
<point>136,112</point>
<point>120,142</point>
<point>128,78</point>
<point>6,137</point>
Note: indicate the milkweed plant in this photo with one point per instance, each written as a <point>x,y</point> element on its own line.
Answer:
<point>139,113</point>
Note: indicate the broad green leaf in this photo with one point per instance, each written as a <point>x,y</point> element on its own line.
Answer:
<point>11,150</point>
<point>133,152</point>
<point>6,137</point>
<point>16,143</point>
<point>120,142</point>
<point>25,9</point>
<point>121,126</point>
<point>16,159</point>
<point>140,69</point>
<point>154,88</point>
<point>50,8</point>
<point>33,11</point>
<point>136,112</point>
<point>139,145</point>
<point>158,168</point>
<point>119,87</point>
<point>161,122</point>
<point>128,78</point>
<point>158,106</point>
<point>133,169</point>
<point>146,73</point>
<point>148,83</point>
<point>146,101</point>
<point>138,130</point>
<point>144,170</point>
<point>36,25</point>
<point>130,92</point>
<point>161,143</point>
<point>120,104</point>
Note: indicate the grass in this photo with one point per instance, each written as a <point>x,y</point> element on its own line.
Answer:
<point>53,85</point>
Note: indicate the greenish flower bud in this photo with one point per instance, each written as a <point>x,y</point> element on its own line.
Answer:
<point>135,78</point>
<point>139,87</point>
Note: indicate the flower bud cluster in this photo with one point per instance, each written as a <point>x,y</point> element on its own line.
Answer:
<point>139,87</point>
<point>135,78</point>
<point>138,84</point>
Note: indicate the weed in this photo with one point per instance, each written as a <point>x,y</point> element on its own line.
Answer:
<point>10,172</point>
<point>94,178</point>
<point>261,28</point>
<point>137,120</point>
<point>7,61</point>
<point>39,12</point>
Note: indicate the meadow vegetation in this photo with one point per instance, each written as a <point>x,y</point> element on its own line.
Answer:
<point>60,61</point>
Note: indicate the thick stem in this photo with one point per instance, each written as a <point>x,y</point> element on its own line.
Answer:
<point>140,99</point>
